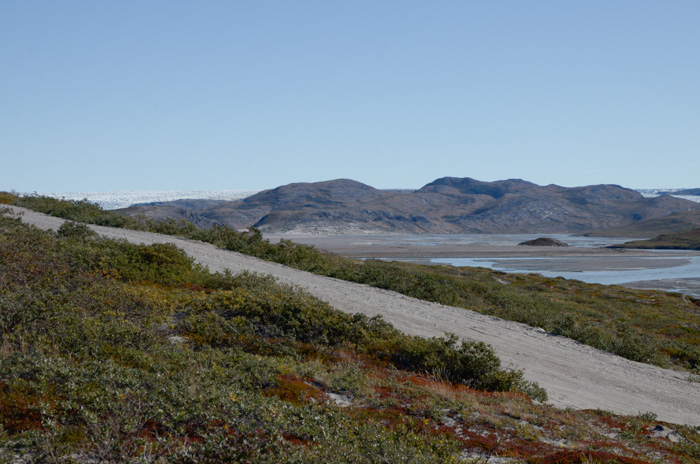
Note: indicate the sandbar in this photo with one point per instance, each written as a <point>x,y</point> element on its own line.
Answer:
<point>500,249</point>
<point>416,246</point>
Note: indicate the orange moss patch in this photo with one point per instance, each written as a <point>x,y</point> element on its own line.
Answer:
<point>295,390</point>
<point>196,288</point>
<point>297,440</point>
<point>311,351</point>
<point>531,433</point>
<point>611,422</point>
<point>485,442</point>
<point>383,392</point>
<point>458,388</point>
<point>151,430</point>
<point>18,412</point>
<point>389,417</point>
<point>583,457</point>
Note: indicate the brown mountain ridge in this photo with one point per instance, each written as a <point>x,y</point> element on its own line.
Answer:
<point>446,205</point>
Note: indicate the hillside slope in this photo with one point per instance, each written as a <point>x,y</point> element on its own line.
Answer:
<point>686,240</point>
<point>673,223</point>
<point>573,374</point>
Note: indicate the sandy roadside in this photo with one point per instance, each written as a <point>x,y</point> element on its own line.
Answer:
<point>574,375</point>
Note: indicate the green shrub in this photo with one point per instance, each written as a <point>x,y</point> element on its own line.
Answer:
<point>76,231</point>
<point>7,198</point>
<point>250,308</point>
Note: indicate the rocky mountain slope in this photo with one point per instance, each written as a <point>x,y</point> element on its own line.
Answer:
<point>188,210</point>
<point>673,223</point>
<point>446,205</point>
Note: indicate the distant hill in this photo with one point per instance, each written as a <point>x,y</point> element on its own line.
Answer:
<point>673,223</point>
<point>687,240</point>
<point>446,205</point>
<point>188,210</point>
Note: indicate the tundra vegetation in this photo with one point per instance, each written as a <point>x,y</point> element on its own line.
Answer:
<point>112,353</point>
<point>653,327</point>
<point>686,240</point>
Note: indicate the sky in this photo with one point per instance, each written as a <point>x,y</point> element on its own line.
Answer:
<point>250,95</point>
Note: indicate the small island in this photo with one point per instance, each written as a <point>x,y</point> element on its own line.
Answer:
<point>544,242</point>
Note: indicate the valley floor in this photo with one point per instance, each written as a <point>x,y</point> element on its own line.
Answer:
<point>466,246</point>
<point>422,249</point>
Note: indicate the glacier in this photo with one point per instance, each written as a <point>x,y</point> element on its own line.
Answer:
<point>125,198</point>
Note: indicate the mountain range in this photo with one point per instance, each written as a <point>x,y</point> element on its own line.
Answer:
<point>446,205</point>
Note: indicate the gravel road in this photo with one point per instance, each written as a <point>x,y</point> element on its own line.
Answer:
<point>574,375</point>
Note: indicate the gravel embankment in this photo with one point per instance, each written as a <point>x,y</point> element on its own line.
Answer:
<point>574,375</point>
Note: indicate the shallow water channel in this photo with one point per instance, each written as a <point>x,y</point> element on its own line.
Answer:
<point>593,269</point>
<point>670,265</point>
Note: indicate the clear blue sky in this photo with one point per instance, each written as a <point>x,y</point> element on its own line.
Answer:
<point>111,95</point>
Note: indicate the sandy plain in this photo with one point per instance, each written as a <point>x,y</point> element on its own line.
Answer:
<point>574,375</point>
<point>575,258</point>
<point>412,246</point>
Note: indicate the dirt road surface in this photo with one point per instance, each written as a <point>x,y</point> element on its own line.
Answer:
<point>574,375</point>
